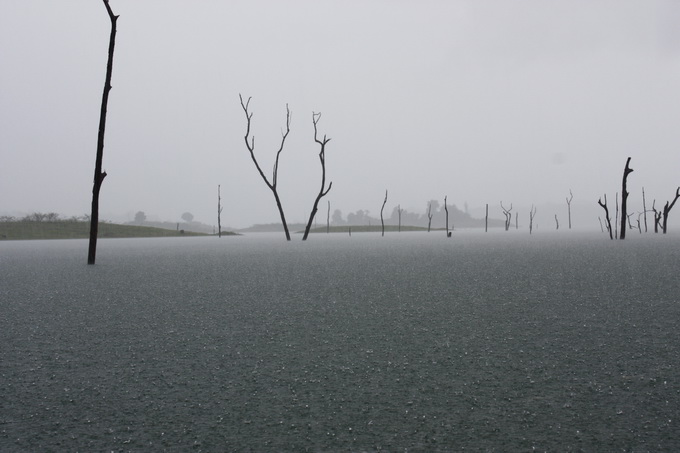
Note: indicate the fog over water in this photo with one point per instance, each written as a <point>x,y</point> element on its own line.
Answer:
<point>499,341</point>
<point>480,101</point>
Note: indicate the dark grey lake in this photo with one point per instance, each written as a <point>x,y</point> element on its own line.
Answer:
<point>483,342</point>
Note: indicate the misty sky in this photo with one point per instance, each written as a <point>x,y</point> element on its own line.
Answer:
<point>479,100</point>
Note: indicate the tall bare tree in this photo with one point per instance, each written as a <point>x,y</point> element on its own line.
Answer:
<point>328,218</point>
<point>508,216</point>
<point>99,175</point>
<point>429,216</point>
<point>667,209</point>
<point>322,158</point>
<point>571,197</point>
<point>644,208</point>
<point>399,211</point>
<point>624,199</point>
<point>532,214</point>
<point>382,220</point>
<point>607,219</point>
<point>250,144</point>
<point>219,213</point>
<point>616,217</point>
<point>657,217</point>
<point>446,208</point>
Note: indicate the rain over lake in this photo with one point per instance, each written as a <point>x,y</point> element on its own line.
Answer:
<point>493,342</point>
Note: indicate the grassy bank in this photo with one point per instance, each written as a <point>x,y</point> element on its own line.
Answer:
<point>81,230</point>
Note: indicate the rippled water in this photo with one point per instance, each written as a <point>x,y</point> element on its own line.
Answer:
<point>499,341</point>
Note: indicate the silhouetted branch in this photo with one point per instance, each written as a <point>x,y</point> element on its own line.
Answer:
<point>99,175</point>
<point>571,197</point>
<point>667,209</point>
<point>624,199</point>
<point>322,158</point>
<point>607,219</point>
<point>250,144</point>
<point>382,221</point>
<point>508,216</point>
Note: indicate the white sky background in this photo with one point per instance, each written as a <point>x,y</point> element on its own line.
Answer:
<point>479,100</point>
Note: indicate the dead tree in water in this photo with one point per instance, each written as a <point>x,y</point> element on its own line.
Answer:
<point>328,218</point>
<point>571,197</point>
<point>486,219</point>
<point>219,213</point>
<point>667,209</point>
<point>532,213</point>
<point>508,216</point>
<point>644,208</point>
<point>382,221</point>
<point>429,216</point>
<point>616,217</point>
<point>607,219</point>
<point>557,223</point>
<point>446,209</point>
<point>399,211</point>
<point>624,199</point>
<point>322,157</point>
<point>99,175</point>
<point>657,217</point>
<point>250,144</point>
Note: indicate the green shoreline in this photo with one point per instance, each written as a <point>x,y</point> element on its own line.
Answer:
<point>27,230</point>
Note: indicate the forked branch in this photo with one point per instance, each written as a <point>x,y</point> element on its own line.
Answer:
<point>250,145</point>
<point>322,158</point>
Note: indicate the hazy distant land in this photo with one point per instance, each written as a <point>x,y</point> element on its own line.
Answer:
<point>66,229</point>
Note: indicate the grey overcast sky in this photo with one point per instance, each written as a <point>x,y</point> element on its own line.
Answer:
<point>480,100</point>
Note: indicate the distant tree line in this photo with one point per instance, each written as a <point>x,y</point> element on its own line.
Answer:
<point>433,216</point>
<point>44,217</point>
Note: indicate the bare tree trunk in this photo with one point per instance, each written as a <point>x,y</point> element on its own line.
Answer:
<point>446,209</point>
<point>517,220</point>
<point>657,217</point>
<point>399,211</point>
<point>644,208</point>
<point>382,220</point>
<point>429,217</point>
<point>532,213</point>
<point>219,213</point>
<point>99,175</point>
<point>571,197</point>
<point>486,219</point>
<point>607,219</point>
<point>557,223</point>
<point>508,216</point>
<point>600,219</point>
<point>328,218</point>
<point>322,158</point>
<point>667,209</point>
<point>624,199</point>
<point>250,144</point>
<point>616,218</point>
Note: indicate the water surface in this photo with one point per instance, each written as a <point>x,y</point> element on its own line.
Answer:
<point>498,341</point>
